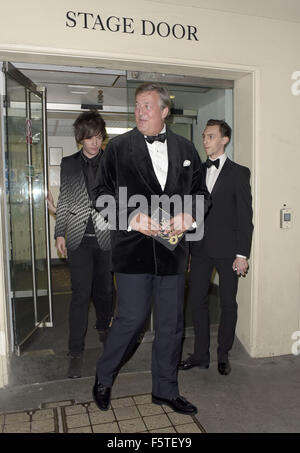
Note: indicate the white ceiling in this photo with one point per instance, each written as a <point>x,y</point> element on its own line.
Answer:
<point>70,87</point>
<point>79,85</point>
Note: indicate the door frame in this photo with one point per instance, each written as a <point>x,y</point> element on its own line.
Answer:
<point>13,72</point>
<point>237,72</point>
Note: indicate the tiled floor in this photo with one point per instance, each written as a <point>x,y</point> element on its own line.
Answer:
<point>35,421</point>
<point>134,414</point>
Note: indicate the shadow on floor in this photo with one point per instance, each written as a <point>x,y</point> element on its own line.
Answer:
<point>60,277</point>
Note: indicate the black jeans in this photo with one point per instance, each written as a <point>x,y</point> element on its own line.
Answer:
<point>91,276</point>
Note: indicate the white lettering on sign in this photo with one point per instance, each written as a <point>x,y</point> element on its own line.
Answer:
<point>295,88</point>
<point>296,344</point>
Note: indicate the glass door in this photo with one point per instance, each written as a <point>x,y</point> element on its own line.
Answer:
<point>26,175</point>
<point>38,207</point>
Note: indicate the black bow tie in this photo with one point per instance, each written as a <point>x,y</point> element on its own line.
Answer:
<point>209,163</point>
<point>154,138</point>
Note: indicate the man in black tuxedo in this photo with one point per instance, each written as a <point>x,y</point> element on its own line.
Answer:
<point>87,237</point>
<point>148,161</point>
<point>225,246</point>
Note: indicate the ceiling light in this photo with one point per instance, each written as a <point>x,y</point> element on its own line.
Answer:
<point>118,130</point>
<point>81,86</point>
<point>54,106</point>
<point>79,92</point>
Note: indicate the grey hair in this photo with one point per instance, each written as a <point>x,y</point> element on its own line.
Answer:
<point>163,92</point>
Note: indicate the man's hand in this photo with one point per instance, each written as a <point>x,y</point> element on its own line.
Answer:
<point>180,223</point>
<point>240,266</point>
<point>61,245</point>
<point>144,224</point>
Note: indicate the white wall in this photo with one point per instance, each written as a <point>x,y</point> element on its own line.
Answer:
<point>213,107</point>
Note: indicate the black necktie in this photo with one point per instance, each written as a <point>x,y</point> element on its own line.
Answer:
<point>154,138</point>
<point>209,163</point>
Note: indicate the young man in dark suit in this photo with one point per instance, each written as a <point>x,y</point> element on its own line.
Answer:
<point>81,230</point>
<point>225,246</point>
<point>148,161</point>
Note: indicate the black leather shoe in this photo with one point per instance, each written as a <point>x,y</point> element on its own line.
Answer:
<point>224,368</point>
<point>178,404</point>
<point>75,365</point>
<point>101,395</point>
<point>188,364</point>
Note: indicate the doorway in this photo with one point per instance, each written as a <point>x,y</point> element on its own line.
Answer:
<point>71,90</point>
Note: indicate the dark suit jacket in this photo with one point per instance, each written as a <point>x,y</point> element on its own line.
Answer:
<point>74,206</point>
<point>127,163</point>
<point>228,225</point>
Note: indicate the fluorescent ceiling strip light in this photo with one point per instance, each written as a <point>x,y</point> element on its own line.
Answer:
<point>54,106</point>
<point>118,130</point>
<point>81,86</point>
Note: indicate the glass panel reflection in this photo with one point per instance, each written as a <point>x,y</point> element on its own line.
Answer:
<point>38,199</point>
<point>17,174</point>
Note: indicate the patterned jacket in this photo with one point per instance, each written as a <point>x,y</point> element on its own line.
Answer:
<point>74,207</point>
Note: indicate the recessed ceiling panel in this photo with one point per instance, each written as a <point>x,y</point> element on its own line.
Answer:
<point>71,78</point>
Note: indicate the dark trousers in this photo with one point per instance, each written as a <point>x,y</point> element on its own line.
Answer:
<point>91,276</point>
<point>200,276</point>
<point>135,295</point>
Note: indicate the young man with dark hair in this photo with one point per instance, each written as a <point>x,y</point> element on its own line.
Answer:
<point>225,246</point>
<point>78,229</point>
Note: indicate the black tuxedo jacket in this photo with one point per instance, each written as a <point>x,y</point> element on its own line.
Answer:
<point>74,206</point>
<point>127,163</point>
<point>228,224</point>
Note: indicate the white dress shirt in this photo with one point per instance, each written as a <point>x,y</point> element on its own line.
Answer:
<point>213,172</point>
<point>159,156</point>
